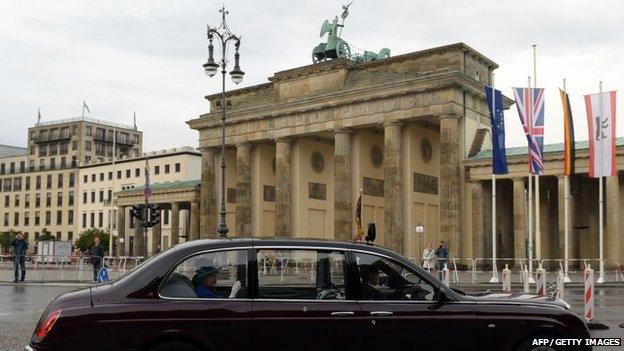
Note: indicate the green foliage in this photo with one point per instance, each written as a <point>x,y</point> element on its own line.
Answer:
<point>87,238</point>
<point>46,235</point>
<point>6,238</point>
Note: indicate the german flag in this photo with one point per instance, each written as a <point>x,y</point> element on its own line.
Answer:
<point>568,139</point>
<point>358,219</point>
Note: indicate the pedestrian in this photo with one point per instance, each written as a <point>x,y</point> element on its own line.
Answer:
<point>442,252</point>
<point>97,255</point>
<point>19,247</point>
<point>158,249</point>
<point>428,255</point>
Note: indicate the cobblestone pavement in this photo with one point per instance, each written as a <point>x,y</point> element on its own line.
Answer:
<point>21,305</point>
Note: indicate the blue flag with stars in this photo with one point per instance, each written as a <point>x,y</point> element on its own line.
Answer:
<point>497,121</point>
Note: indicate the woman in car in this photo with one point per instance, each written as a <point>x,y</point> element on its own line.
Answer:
<point>205,281</point>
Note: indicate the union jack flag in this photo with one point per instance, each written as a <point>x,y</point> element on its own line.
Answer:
<point>530,104</point>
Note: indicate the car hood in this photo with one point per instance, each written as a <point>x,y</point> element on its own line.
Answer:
<point>499,296</point>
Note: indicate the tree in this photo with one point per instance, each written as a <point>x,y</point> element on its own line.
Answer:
<point>87,238</point>
<point>6,238</point>
<point>46,235</point>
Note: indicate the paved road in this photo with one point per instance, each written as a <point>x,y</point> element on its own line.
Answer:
<point>22,304</point>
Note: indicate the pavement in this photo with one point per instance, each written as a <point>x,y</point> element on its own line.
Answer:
<point>21,305</point>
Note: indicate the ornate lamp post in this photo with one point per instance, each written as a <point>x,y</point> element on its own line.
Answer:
<point>224,36</point>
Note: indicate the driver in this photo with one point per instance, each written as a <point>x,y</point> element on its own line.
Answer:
<point>370,279</point>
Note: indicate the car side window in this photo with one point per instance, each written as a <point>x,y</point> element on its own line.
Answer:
<point>219,274</point>
<point>301,274</point>
<point>385,279</point>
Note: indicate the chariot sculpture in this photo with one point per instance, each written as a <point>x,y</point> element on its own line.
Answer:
<point>336,47</point>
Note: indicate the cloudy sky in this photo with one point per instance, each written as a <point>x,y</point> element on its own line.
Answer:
<point>146,56</point>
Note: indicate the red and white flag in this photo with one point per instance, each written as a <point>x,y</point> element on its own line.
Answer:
<point>601,122</point>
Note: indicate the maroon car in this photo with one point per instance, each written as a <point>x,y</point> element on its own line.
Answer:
<point>292,294</point>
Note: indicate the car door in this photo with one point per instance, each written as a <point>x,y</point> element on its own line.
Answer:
<point>213,316</point>
<point>401,309</point>
<point>303,301</point>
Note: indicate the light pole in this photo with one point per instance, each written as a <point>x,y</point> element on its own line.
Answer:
<point>223,36</point>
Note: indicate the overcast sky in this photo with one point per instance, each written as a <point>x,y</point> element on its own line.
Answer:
<point>146,56</point>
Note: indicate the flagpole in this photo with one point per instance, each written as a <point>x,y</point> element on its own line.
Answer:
<point>83,105</point>
<point>538,232</point>
<point>110,213</point>
<point>601,278</point>
<point>494,278</point>
<point>566,208</point>
<point>530,210</point>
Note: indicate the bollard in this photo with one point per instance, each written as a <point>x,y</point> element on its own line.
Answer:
<point>445,275</point>
<point>525,280</point>
<point>588,278</point>
<point>506,278</point>
<point>540,284</point>
<point>560,284</point>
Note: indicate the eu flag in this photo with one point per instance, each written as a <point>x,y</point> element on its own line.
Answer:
<point>499,157</point>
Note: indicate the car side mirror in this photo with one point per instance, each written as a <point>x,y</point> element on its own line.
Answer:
<point>442,296</point>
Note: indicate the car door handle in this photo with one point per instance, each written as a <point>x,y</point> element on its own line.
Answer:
<point>381,313</point>
<point>342,314</point>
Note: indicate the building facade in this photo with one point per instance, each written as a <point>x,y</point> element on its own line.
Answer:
<point>300,148</point>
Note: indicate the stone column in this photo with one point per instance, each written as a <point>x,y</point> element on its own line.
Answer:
<point>121,231</point>
<point>208,203</point>
<point>139,239</point>
<point>449,195</point>
<point>519,219</point>
<point>393,191</point>
<point>342,185</point>
<point>175,223</point>
<point>194,221</point>
<point>612,234</point>
<point>283,188</point>
<point>156,237</point>
<point>478,220</point>
<point>243,190</point>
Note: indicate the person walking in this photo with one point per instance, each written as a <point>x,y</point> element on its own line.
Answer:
<point>19,247</point>
<point>97,255</point>
<point>428,255</point>
<point>442,252</point>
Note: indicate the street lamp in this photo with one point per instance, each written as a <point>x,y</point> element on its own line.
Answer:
<point>223,35</point>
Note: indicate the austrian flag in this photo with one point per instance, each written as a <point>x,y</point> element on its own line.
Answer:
<point>601,122</point>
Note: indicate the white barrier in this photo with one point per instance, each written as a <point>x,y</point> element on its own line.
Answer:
<point>525,280</point>
<point>540,287</point>
<point>588,277</point>
<point>506,278</point>
<point>446,276</point>
<point>561,284</point>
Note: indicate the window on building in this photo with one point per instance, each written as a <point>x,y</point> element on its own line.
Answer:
<point>17,198</point>
<point>59,199</point>
<point>93,177</point>
<point>27,200</point>
<point>71,198</point>
<point>93,196</point>
<point>52,163</point>
<point>48,181</point>
<point>74,145</point>
<point>17,184</point>
<point>156,169</point>
<point>48,218</point>
<point>71,180</point>
<point>109,198</point>
<point>92,215</point>
<point>63,162</point>
<point>48,199</point>
<point>167,169</point>
<point>53,149</point>
<point>70,217</point>
<point>110,175</point>
<point>100,219</point>
<point>16,219</point>
<point>26,219</point>
<point>70,236</point>
<point>88,131</point>
<point>7,201</point>
<point>166,216</point>
<point>102,177</point>
<point>127,173</point>
<point>42,164</point>
<point>37,218</point>
<point>37,199</point>
<point>60,181</point>
<point>22,166</point>
<point>12,167</point>
<point>84,197</point>
<point>36,236</point>
<point>6,219</point>
<point>38,183</point>
<point>59,217</point>
<point>101,196</point>
<point>27,183</point>
<point>87,159</point>
<point>137,172</point>
<point>7,185</point>
<point>43,151</point>
<point>58,235</point>
<point>2,168</point>
<point>84,219</point>
<point>87,145</point>
<point>64,147</point>
<point>118,174</point>
<point>177,168</point>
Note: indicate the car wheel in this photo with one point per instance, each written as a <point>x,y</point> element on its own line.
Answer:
<point>174,346</point>
<point>527,345</point>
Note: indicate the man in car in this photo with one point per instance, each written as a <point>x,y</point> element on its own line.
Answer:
<point>370,279</point>
<point>205,281</point>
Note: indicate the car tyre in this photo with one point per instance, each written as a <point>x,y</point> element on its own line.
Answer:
<point>174,346</point>
<point>527,344</point>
